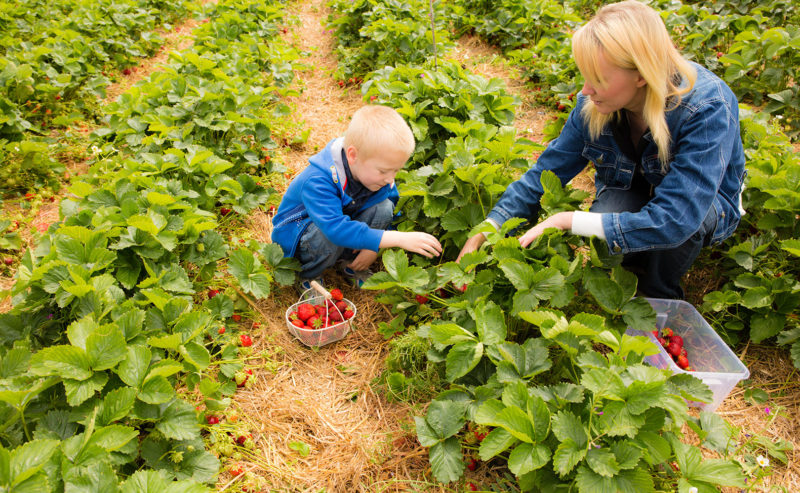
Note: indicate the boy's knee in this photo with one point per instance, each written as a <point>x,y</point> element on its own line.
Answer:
<point>385,211</point>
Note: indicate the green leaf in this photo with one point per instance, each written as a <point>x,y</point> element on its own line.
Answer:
<point>567,426</point>
<point>631,481</point>
<point>113,437</point>
<point>196,354</point>
<point>156,390</point>
<point>105,347</point>
<point>179,422</point>
<point>28,459</point>
<point>491,324</point>
<point>497,441</point>
<point>301,448</point>
<point>63,361</point>
<point>527,457</point>
<point>603,462</point>
<point>252,276</point>
<point>133,369</point>
<point>446,462</point>
<point>462,358</point>
<point>116,405</point>
<point>567,455</point>
<point>446,418</point>
<point>657,446</point>
<point>80,390</point>
<point>449,333</point>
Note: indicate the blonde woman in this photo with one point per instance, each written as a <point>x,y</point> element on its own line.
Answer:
<point>663,136</point>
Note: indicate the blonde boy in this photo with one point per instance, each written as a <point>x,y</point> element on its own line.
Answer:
<point>339,207</point>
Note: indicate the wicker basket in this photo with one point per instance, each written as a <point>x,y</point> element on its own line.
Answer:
<point>317,295</point>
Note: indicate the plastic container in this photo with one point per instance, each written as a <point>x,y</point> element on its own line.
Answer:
<point>319,337</point>
<point>712,360</point>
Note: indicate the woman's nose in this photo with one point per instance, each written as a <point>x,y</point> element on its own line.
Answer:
<point>587,90</point>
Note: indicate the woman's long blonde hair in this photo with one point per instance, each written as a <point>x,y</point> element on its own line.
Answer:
<point>632,35</point>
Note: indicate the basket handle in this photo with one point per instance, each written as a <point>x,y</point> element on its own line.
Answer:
<point>319,288</point>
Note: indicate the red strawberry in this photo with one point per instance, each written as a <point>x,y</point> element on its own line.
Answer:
<point>126,71</point>
<point>682,362</point>
<point>8,260</point>
<point>472,487</point>
<point>241,439</point>
<point>245,340</point>
<point>667,332</point>
<point>221,330</point>
<point>212,420</point>
<point>348,314</point>
<point>561,107</point>
<point>256,325</point>
<point>662,341</point>
<point>422,299</point>
<point>719,54</point>
<point>306,311</point>
<point>462,288</point>
<point>237,470</point>
<point>342,306</point>
<point>212,293</point>
<point>224,211</point>
<point>316,322</point>
<point>336,316</point>
<point>28,196</point>
<point>674,349</point>
<point>472,464</point>
<point>298,323</point>
<point>236,317</point>
<point>676,339</point>
<point>336,294</point>
<point>655,333</point>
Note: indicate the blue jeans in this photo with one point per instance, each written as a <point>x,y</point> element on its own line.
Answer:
<point>659,271</point>
<point>316,253</point>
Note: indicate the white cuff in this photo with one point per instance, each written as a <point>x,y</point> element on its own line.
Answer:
<point>493,223</point>
<point>588,224</point>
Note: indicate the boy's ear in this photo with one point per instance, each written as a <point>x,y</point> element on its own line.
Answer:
<point>352,154</point>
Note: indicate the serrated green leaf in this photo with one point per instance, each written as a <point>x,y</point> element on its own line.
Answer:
<point>462,358</point>
<point>446,462</point>
<point>567,455</point>
<point>527,457</point>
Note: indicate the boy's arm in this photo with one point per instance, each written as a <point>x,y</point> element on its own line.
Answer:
<point>413,241</point>
<point>324,207</point>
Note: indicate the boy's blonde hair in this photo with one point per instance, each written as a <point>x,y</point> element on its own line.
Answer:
<point>632,35</point>
<point>375,129</point>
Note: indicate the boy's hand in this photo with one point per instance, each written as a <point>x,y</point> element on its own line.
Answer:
<point>471,245</point>
<point>363,260</point>
<point>413,241</point>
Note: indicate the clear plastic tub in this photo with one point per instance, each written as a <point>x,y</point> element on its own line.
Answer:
<point>712,360</point>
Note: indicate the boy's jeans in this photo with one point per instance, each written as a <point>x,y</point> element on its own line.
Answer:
<point>659,271</point>
<point>316,253</point>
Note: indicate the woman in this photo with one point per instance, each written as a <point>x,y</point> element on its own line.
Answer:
<point>663,136</point>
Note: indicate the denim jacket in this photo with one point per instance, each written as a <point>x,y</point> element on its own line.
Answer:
<point>706,170</point>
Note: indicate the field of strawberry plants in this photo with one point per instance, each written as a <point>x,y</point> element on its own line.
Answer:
<point>129,336</point>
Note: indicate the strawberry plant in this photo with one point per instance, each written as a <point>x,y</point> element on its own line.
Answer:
<point>377,33</point>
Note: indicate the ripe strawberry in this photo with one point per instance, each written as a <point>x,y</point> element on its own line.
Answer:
<point>316,322</point>
<point>306,311</point>
<point>472,487</point>
<point>241,439</point>
<point>462,288</point>
<point>256,325</point>
<point>676,339</point>
<point>667,332</point>
<point>335,316</point>
<point>237,470</point>
<point>674,349</point>
<point>682,362</point>
<point>655,333</point>
<point>421,299</point>
<point>348,314</point>
<point>298,323</point>
<point>561,107</point>
<point>29,196</point>
<point>236,317</point>
<point>221,330</point>
<point>472,464</point>
<point>336,294</point>
<point>212,420</point>
<point>245,340</point>
<point>342,306</point>
<point>662,341</point>
<point>212,293</point>
<point>719,54</point>
<point>480,436</point>
<point>8,260</point>
<point>224,211</point>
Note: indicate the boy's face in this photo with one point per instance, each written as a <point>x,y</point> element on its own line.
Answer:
<point>375,172</point>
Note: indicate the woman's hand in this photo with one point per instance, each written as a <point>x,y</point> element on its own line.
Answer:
<point>471,245</point>
<point>562,221</point>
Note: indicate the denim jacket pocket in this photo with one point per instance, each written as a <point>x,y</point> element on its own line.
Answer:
<point>654,172</point>
<point>611,169</point>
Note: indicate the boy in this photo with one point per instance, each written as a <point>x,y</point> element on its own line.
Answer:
<point>339,207</point>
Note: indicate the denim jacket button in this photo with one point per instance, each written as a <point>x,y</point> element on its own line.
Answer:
<point>723,214</point>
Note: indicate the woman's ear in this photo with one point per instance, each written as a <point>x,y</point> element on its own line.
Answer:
<point>640,81</point>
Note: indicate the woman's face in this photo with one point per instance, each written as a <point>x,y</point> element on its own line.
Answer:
<point>624,88</point>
